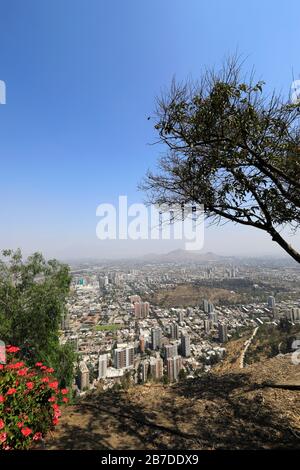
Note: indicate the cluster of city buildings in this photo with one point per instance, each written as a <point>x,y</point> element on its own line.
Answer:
<point>117,333</point>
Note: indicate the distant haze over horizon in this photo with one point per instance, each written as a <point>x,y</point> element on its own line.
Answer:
<point>226,241</point>
<point>179,255</point>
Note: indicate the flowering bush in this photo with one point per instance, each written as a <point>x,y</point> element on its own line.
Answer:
<point>29,402</point>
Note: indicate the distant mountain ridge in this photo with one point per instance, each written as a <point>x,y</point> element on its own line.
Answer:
<point>186,256</point>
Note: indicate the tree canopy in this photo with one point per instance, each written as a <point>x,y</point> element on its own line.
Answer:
<point>33,297</point>
<point>232,148</point>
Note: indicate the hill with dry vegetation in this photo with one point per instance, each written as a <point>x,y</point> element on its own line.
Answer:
<point>184,295</point>
<point>256,407</point>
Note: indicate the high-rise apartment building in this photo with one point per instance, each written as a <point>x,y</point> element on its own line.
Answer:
<point>213,317</point>
<point>271,301</point>
<point>185,345</point>
<point>207,325</point>
<point>174,330</point>
<point>295,314</point>
<point>144,370</point>
<point>171,350</point>
<point>142,344</point>
<point>156,337</point>
<point>141,309</point>
<point>180,317</point>
<point>156,367</point>
<point>137,309</point>
<point>145,309</point>
<point>134,298</point>
<point>222,329</point>
<point>124,357</point>
<point>210,307</point>
<point>102,366</point>
<point>83,376</point>
<point>174,365</point>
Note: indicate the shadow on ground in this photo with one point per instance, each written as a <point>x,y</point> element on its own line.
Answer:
<point>212,412</point>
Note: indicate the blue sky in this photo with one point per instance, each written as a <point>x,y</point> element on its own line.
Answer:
<point>81,78</point>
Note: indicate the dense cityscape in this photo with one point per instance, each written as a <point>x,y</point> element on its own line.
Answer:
<point>120,334</point>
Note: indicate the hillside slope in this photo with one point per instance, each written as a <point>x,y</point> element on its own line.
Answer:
<point>225,409</point>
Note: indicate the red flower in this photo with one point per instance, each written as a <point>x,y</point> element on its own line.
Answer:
<point>16,365</point>
<point>55,421</point>
<point>20,424</point>
<point>57,412</point>
<point>29,385</point>
<point>31,374</point>
<point>2,424</point>
<point>64,391</point>
<point>50,370</point>
<point>51,399</point>
<point>22,372</point>
<point>3,436</point>
<point>19,364</point>
<point>38,364</point>
<point>11,391</point>
<point>38,436</point>
<point>2,399</point>
<point>1,366</point>
<point>65,399</point>
<point>53,385</point>
<point>26,431</point>
<point>45,379</point>
<point>12,349</point>
<point>44,367</point>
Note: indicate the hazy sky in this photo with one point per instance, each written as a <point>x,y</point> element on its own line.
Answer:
<point>81,79</point>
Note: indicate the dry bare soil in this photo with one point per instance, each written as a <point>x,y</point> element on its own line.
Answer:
<point>230,408</point>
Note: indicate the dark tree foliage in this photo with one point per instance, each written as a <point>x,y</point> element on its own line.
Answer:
<point>182,375</point>
<point>231,148</point>
<point>285,325</point>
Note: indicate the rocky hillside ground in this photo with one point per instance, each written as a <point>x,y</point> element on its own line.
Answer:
<point>229,408</point>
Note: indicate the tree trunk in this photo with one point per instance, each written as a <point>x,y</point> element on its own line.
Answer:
<point>283,243</point>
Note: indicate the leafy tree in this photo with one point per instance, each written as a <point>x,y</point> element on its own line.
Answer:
<point>126,380</point>
<point>284,325</point>
<point>62,358</point>
<point>182,375</point>
<point>150,377</point>
<point>33,295</point>
<point>232,149</point>
<point>165,379</point>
